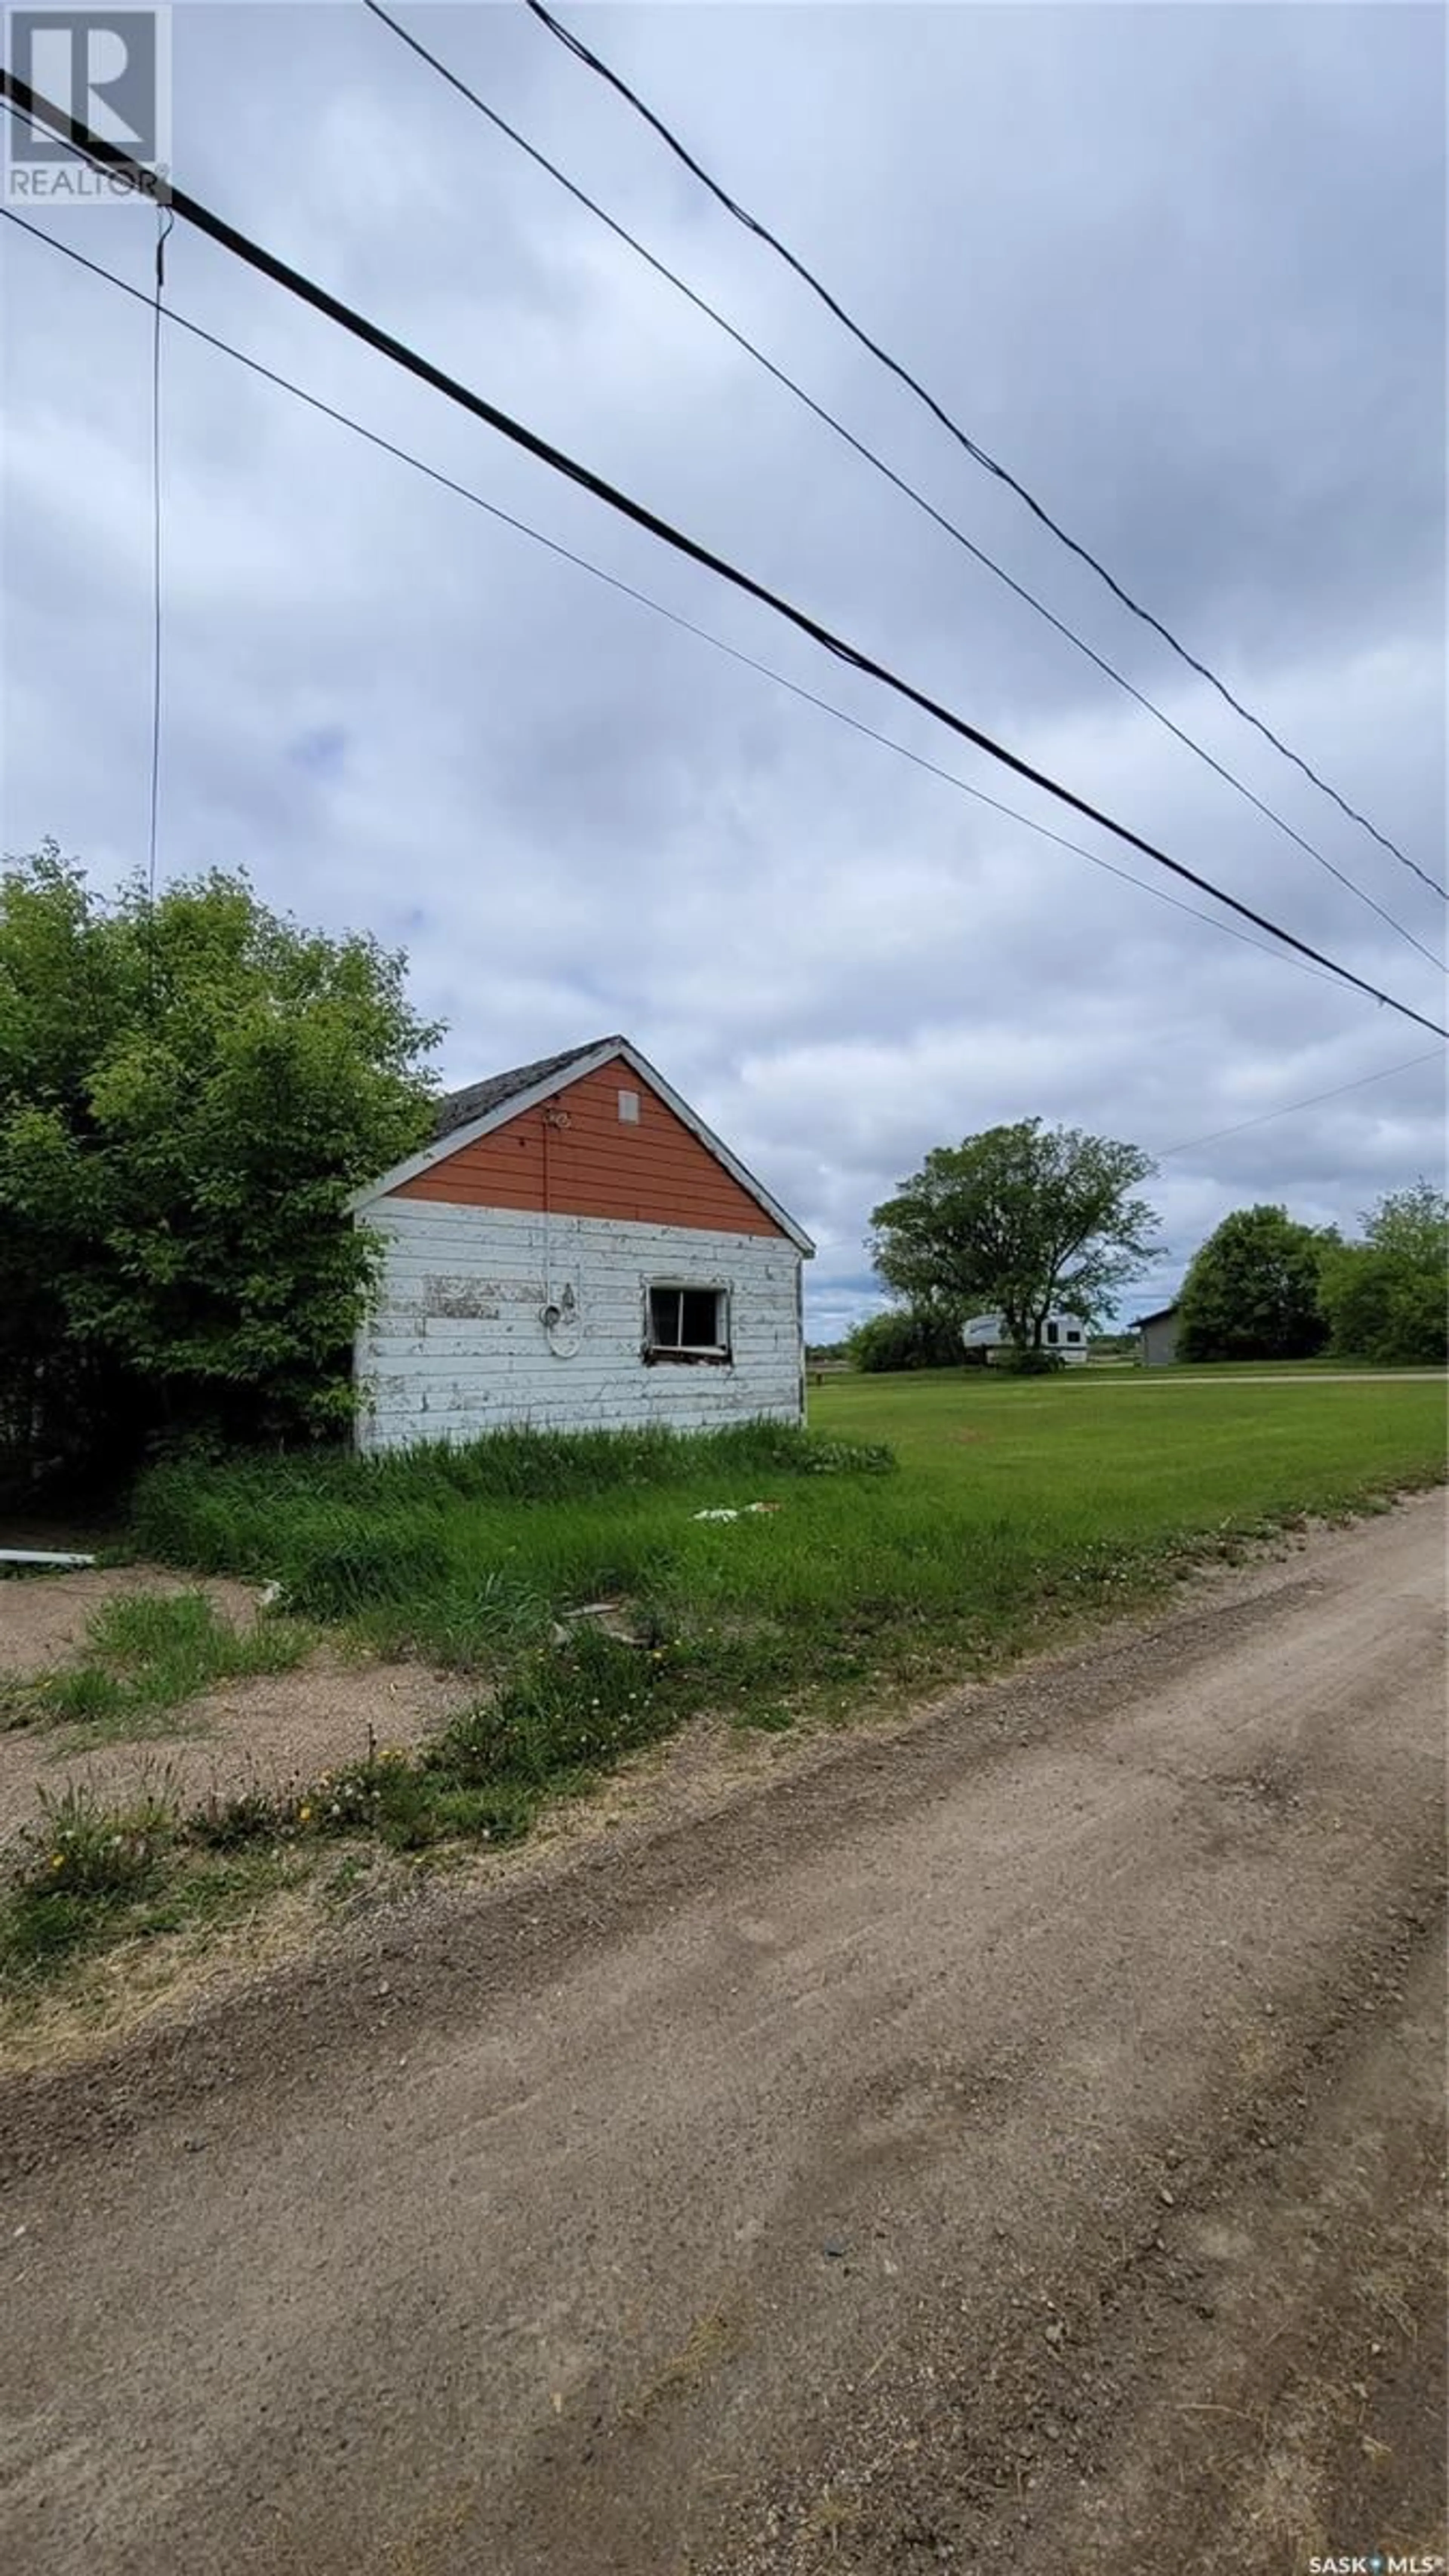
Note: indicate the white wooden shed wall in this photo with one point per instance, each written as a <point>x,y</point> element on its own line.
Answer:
<point>457,1345</point>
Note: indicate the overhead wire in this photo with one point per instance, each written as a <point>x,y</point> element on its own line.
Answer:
<point>595,63</point>
<point>1289,1107</point>
<point>838,427</point>
<point>164,222</point>
<point>646,599</point>
<point>279,272</point>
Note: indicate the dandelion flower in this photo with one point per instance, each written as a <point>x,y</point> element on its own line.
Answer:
<point>57,1860</point>
<point>304,1815</point>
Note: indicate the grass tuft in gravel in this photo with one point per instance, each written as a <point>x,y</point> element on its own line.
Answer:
<point>146,1655</point>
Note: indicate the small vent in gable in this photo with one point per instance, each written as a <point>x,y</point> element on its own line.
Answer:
<point>629,1108</point>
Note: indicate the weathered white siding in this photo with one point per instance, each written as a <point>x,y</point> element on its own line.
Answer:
<point>457,1344</point>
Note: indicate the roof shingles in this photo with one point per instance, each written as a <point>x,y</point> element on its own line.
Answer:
<point>478,1099</point>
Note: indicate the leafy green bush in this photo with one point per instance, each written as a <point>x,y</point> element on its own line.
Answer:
<point>1385,1298</point>
<point>905,1338</point>
<point>1030,1359</point>
<point>1251,1292</point>
<point>190,1089</point>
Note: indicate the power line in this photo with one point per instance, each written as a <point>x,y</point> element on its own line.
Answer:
<point>1290,1106</point>
<point>109,156</point>
<point>645,599</point>
<point>595,63</point>
<point>741,339</point>
<point>164,222</point>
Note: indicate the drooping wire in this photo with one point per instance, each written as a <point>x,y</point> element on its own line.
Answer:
<point>165,220</point>
<point>296,282</point>
<point>595,63</point>
<point>657,607</point>
<point>1431,1056</point>
<point>948,526</point>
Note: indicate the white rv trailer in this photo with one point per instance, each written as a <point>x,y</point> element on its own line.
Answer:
<point>986,1336</point>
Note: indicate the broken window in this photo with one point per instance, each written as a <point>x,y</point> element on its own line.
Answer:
<point>687,1323</point>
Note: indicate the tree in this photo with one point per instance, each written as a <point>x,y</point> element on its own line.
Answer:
<point>1020,1221</point>
<point>900,1338</point>
<point>1384,1299</point>
<point>1252,1290</point>
<point>189,1092</point>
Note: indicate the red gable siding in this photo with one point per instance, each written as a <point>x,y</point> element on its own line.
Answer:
<point>657,1172</point>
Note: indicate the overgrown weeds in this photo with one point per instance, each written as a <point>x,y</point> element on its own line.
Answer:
<point>566,1714</point>
<point>605,1588</point>
<point>466,1555</point>
<point>266,1515</point>
<point>87,1871</point>
<point>78,1867</point>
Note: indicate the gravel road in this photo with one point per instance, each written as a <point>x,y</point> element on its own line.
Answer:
<point>1016,2145</point>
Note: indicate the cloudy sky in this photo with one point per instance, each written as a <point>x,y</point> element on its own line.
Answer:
<point>1182,268</point>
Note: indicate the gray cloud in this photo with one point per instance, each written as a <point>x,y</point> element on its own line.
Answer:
<point>1183,267</point>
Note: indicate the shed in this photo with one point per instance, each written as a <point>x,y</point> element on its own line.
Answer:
<point>576,1250</point>
<point>1157,1337</point>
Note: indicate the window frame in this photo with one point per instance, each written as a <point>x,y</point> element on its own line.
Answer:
<point>716,1354</point>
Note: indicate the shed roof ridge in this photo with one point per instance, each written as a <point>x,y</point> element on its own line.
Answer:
<point>456,1109</point>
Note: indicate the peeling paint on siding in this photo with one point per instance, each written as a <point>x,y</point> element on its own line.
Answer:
<point>457,1344</point>
<point>462,1296</point>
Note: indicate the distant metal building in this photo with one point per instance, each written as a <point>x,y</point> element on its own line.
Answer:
<point>1157,1337</point>
<point>576,1250</point>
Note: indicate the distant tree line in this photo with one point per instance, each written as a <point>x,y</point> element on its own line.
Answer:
<point>1025,1221</point>
<point>1265,1287</point>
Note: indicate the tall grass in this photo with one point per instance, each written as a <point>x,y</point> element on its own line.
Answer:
<point>222,1516</point>
<point>1017,1504</point>
<point>1019,1508</point>
<point>460,1552</point>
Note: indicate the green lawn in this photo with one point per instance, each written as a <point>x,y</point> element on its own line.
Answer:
<point>1008,1499</point>
<point>925,1527</point>
<point>1112,1444</point>
<point>1327,1366</point>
